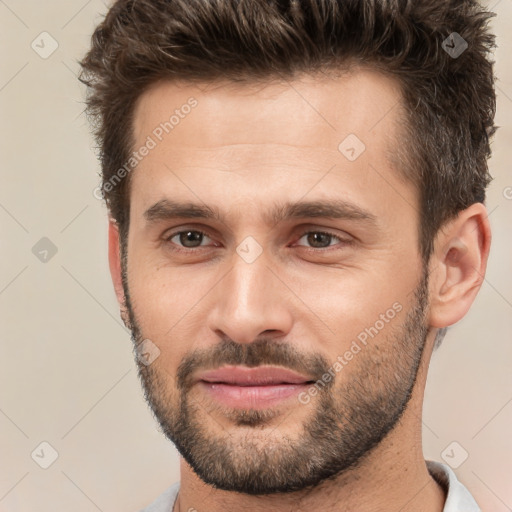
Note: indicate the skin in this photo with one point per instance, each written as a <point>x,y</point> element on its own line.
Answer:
<point>243,149</point>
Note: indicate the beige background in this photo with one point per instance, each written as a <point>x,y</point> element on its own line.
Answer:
<point>67,374</point>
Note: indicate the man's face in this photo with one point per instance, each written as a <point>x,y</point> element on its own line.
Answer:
<point>279,279</point>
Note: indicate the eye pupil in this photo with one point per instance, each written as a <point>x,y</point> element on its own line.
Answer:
<point>317,239</point>
<point>189,238</point>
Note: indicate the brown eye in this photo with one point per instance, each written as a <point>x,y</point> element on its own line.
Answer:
<point>319,239</point>
<point>189,238</point>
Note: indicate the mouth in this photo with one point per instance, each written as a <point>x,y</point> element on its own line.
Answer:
<point>256,388</point>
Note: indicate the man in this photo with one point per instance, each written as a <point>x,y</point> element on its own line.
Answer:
<point>296,194</point>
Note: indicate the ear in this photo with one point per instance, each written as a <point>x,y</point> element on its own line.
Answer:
<point>114,260</point>
<point>458,265</point>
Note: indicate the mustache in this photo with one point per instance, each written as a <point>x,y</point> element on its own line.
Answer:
<point>260,352</point>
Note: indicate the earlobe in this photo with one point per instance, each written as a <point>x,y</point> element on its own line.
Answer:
<point>458,265</point>
<point>114,259</point>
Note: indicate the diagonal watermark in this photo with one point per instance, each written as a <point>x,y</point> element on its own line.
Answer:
<point>13,218</point>
<point>13,279</point>
<point>14,76</point>
<point>76,14</point>
<point>81,490</point>
<point>13,13</point>
<point>74,218</point>
<point>12,488</point>
<point>94,298</point>
<point>492,491</point>
<point>14,423</point>
<point>497,414</point>
<point>96,403</point>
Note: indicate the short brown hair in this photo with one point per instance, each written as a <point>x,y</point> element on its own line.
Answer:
<point>448,99</point>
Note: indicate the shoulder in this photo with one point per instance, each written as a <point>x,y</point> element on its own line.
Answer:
<point>164,502</point>
<point>458,497</point>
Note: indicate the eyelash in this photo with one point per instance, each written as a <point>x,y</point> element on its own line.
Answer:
<point>203,233</point>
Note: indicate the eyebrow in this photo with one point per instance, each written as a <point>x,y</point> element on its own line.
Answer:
<point>166,209</point>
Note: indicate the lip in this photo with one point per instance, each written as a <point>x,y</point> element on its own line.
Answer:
<point>254,388</point>
<point>259,376</point>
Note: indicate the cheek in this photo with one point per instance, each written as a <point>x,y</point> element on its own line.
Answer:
<point>358,292</point>
<point>166,302</point>
<point>363,305</point>
<point>158,302</point>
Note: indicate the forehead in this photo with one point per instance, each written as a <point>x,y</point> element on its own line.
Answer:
<point>260,138</point>
<point>310,110</point>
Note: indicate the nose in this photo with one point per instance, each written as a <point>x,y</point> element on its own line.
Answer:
<point>251,301</point>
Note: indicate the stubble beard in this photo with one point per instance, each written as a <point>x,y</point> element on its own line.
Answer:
<point>254,455</point>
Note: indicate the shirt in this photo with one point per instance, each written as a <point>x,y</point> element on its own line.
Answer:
<point>458,498</point>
